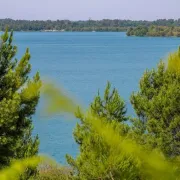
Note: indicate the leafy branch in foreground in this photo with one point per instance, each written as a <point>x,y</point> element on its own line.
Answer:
<point>19,167</point>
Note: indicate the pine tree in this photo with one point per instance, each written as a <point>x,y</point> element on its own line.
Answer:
<point>96,159</point>
<point>157,107</point>
<point>111,107</point>
<point>17,103</point>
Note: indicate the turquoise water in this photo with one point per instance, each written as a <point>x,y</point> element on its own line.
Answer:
<point>82,63</point>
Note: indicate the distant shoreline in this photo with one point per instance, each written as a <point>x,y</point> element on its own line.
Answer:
<point>49,31</point>
<point>96,32</point>
<point>105,25</point>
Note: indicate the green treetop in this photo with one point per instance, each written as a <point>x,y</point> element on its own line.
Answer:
<point>97,159</point>
<point>157,107</point>
<point>17,103</point>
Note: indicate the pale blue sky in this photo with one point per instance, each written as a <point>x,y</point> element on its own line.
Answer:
<point>84,9</point>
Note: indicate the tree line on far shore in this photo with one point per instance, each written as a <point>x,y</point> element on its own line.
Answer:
<point>105,25</point>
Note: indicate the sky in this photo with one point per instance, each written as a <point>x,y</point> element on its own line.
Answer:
<point>94,9</point>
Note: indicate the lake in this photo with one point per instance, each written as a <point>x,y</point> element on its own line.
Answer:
<point>83,62</point>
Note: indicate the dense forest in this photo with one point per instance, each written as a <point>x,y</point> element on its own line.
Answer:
<point>89,25</point>
<point>166,31</point>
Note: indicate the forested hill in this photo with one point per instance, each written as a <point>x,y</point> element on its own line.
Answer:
<point>89,25</point>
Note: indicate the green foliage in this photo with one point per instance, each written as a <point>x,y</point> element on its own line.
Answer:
<point>111,107</point>
<point>157,107</point>
<point>16,109</point>
<point>19,167</point>
<point>174,62</point>
<point>95,159</point>
<point>59,100</point>
<point>154,31</point>
<point>138,31</point>
<point>47,169</point>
